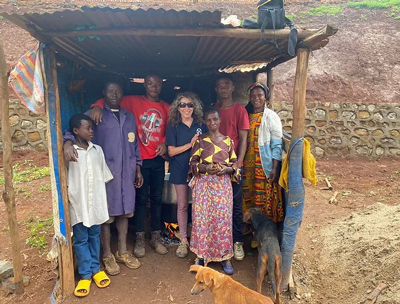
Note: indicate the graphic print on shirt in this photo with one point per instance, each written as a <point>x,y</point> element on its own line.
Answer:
<point>151,121</point>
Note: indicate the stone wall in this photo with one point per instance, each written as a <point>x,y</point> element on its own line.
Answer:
<point>28,130</point>
<point>342,129</point>
<point>348,129</point>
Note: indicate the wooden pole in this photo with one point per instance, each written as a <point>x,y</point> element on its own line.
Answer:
<point>239,33</point>
<point>8,194</point>
<point>299,93</point>
<point>270,84</point>
<point>65,257</point>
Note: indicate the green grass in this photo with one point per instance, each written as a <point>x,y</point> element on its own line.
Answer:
<point>393,5</point>
<point>29,173</point>
<point>324,10</point>
<point>44,188</point>
<point>37,229</point>
<point>291,16</point>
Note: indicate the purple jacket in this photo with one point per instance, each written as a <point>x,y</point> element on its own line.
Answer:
<point>121,150</point>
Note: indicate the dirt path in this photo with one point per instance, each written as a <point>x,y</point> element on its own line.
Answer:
<point>343,251</point>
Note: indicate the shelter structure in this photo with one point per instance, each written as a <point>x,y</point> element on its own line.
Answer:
<point>81,47</point>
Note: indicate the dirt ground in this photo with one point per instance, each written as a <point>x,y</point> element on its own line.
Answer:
<point>343,251</point>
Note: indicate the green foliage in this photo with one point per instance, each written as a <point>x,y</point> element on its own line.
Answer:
<point>23,191</point>
<point>37,229</point>
<point>324,10</point>
<point>393,5</point>
<point>44,188</point>
<point>291,16</point>
<point>29,173</point>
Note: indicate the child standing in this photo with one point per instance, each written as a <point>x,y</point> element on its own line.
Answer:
<point>87,180</point>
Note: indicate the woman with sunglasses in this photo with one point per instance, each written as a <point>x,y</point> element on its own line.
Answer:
<point>185,124</point>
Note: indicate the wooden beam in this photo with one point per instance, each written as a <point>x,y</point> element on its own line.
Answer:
<point>8,194</point>
<point>299,94</point>
<point>270,84</point>
<point>314,41</point>
<point>65,258</point>
<point>239,33</point>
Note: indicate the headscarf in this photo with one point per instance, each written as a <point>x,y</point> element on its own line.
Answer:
<point>258,85</point>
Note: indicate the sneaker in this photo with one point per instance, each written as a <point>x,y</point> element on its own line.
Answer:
<point>227,267</point>
<point>110,265</point>
<point>199,261</point>
<point>139,250</point>
<point>128,259</point>
<point>182,250</point>
<point>238,252</point>
<point>155,243</point>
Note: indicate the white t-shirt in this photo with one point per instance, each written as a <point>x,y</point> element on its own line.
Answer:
<point>87,180</point>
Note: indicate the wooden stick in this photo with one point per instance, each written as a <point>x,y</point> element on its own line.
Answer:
<point>373,296</point>
<point>239,33</point>
<point>333,199</point>
<point>66,264</point>
<point>270,84</point>
<point>8,194</point>
<point>328,184</point>
<point>299,94</point>
<point>314,40</point>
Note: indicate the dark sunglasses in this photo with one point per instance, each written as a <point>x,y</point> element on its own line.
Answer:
<point>183,105</point>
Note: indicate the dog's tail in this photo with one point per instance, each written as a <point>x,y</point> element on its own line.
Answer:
<point>275,275</point>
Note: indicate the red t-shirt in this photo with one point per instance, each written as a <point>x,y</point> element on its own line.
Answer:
<point>233,120</point>
<point>151,121</point>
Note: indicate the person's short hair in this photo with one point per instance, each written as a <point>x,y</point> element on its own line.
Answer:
<point>76,121</point>
<point>211,110</point>
<point>223,76</point>
<point>108,82</point>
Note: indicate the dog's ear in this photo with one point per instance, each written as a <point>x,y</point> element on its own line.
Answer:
<point>208,278</point>
<point>195,268</point>
<point>247,216</point>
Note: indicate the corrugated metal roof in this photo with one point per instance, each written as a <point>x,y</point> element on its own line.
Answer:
<point>135,55</point>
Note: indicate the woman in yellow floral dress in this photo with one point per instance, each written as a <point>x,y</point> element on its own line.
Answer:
<point>263,157</point>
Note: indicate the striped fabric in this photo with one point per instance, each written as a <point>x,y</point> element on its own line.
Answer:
<point>26,79</point>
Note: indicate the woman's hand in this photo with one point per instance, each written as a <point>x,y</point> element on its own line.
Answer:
<point>274,175</point>
<point>212,169</point>
<point>96,114</point>
<point>224,170</point>
<point>194,139</point>
<point>161,149</point>
<point>138,178</point>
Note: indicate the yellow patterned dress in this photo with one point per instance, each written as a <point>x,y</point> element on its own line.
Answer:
<point>258,190</point>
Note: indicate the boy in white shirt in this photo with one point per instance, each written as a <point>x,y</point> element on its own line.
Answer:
<point>87,180</point>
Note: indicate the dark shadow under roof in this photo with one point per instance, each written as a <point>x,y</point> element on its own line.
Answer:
<point>166,42</point>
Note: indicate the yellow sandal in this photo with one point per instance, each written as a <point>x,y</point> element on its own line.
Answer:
<point>100,277</point>
<point>82,285</point>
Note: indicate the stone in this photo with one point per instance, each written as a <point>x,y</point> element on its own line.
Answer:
<point>351,124</point>
<point>307,121</point>
<point>335,141</point>
<point>322,133</point>
<point>349,114</point>
<point>311,129</point>
<point>339,123</point>
<point>287,129</point>
<point>364,114</point>
<point>371,107</point>
<point>310,139</point>
<point>345,151</point>
<point>363,107</point>
<point>364,150</point>
<point>327,104</point>
<point>371,123</point>
<point>378,116</point>
<point>379,150</point>
<point>276,105</point>
<point>392,115</point>
<point>336,106</point>
<point>283,113</point>
<point>26,124</point>
<point>289,122</point>
<point>320,113</point>
<point>322,141</point>
<point>354,140</point>
<point>33,114</point>
<point>345,131</point>
<point>10,287</point>
<point>311,105</point>
<point>41,147</point>
<point>377,132</point>
<point>34,136</point>
<point>331,130</point>
<point>22,111</point>
<point>18,136</point>
<point>395,133</point>
<point>388,141</point>
<point>320,123</point>
<point>319,151</point>
<point>14,120</point>
<point>394,151</point>
<point>41,124</point>
<point>333,114</point>
<point>24,147</point>
<point>361,131</point>
<point>6,270</point>
<point>354,106</point>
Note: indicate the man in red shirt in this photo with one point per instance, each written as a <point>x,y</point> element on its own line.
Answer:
<point>235,124</point>
<point>151,114</point>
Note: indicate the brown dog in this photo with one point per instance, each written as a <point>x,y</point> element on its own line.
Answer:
<point>269,253</point>
<point>225,290</point>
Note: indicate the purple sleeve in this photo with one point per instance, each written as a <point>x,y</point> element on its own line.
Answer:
<point>137,152</point>
<point>68,136</point>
